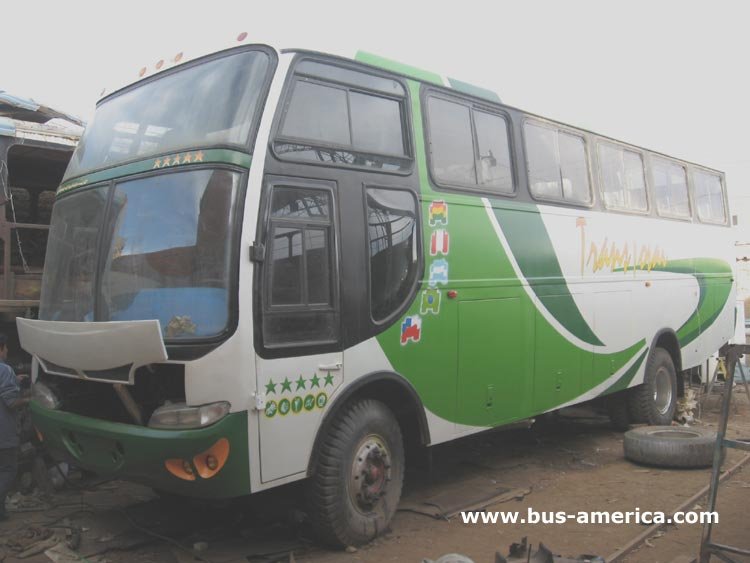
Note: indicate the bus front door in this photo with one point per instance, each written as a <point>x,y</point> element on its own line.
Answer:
<point>300,362</point>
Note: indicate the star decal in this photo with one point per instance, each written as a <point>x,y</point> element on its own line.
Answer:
<point>300,383</point>
<point>187,159</point>
<point>314,381</point>
<point>176,160</point>
<point>286,385</point>
<point>157,163</point>
<point>328,379</point>
<point>270,387</point>
<point>198,157</point>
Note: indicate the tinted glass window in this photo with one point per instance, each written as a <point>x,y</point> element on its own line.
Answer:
<point>391,228</point>
<point>286,256</point>
<point>709,197</point>
<point>213,102</point>
<point>376,124</point>
<point>343,126</point>
<point>494,153</point>
<point>318,112</point>
<point>318,266</point>
<point>296,203</point>
<point>543,161</point>
<point>169,252</point>
<point>451,144</point>
<point>623,183</point>
<point>557,164</point>
<point>299,275</point>
<point>670,188</point>
<point>68,281</point>
<point>574,169</point>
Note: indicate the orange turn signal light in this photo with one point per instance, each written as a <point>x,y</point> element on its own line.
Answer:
<point>210,462</point>
<point>180,468</point>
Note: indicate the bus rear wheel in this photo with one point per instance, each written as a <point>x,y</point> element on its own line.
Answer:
<point>655,401</point>
<point>357,477</point>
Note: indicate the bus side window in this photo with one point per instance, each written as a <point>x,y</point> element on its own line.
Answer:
<point>623,178</point>
<point>299,279</point>
<point>709,197</point>
<point>358,120</point>
<point>392,239</point>
<point>670,188</point>
<point>557,164</point>
<point>469,148</point>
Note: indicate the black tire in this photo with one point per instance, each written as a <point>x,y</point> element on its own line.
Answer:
<point>659,380</point>
<point>345,509</point>
<point>619,413</point>
<point>670,446</point>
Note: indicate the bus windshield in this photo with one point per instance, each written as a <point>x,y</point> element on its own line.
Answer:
<point>156,247</point>
<point>210,103</point>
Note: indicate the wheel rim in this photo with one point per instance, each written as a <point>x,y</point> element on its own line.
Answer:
<point>371,473</point>
<point>662,390</point>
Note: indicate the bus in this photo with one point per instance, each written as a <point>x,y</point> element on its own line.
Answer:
<point>36,143</point>
<point>273,265</point>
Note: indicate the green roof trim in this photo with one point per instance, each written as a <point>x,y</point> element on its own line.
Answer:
<point>172,160</point>
<point>478,91</point>
<point>395,66</point>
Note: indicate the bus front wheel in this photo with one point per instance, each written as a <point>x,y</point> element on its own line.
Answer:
<point>356,482</point>
<point>655,401</point>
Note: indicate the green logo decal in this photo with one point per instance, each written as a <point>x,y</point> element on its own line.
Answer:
<point>296,404</point>
<point>309,402</point>
<point>271,409</point>
<point>321,399</point>
<point>284,407</point>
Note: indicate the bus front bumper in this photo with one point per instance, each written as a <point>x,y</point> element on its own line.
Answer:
<point>143,455</point>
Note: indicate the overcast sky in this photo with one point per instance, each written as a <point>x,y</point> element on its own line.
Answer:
<point>670,76</point>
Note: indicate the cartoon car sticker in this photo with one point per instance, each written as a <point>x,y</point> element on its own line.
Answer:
<point>430,301</point>
<point>439,242</point>
<point>411,329</point>
<point>438,272</point>
<point>438,213</point>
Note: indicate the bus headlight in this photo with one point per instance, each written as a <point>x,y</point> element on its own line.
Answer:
<point>180,416</point>
<point>43,395</point>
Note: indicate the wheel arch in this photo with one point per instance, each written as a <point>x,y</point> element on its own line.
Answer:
<point>666,339</point>
<point>396,393</point>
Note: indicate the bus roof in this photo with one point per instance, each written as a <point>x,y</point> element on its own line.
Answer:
<point>390,65</point>
<point>25,118</point>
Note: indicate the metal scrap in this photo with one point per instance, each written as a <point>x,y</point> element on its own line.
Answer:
<point>522,552</point>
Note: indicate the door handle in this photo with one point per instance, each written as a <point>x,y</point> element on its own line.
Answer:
<point>330,367</point>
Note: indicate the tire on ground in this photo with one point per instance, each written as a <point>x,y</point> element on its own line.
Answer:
<point>670,446</point>
<point>338,515</point>
<point>642,403</point>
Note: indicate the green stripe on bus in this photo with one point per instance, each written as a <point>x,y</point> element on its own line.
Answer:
<point>477,91</point>
<point>627,377</point>
<point>535,255</point>
<point>172,160</point>
<point>395,66</point>
<point>714,277</point>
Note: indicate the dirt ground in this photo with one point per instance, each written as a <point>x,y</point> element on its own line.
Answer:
<point>575,464</point>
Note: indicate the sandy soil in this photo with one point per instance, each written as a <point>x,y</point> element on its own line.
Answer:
<point>575,465</point>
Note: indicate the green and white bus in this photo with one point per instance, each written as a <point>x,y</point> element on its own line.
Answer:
<point>271,265</point>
